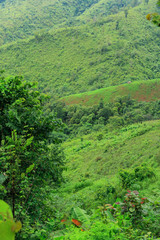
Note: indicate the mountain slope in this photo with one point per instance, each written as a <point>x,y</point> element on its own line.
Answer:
<point>140,91</point>
<point>92,165</point>
<point>113,149</point>
<point>108,51</point>
<point>21,18</point>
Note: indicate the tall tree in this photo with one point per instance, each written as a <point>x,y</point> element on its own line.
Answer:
<point>28,156</point>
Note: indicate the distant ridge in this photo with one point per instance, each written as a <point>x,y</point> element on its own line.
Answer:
<point>19,19</point>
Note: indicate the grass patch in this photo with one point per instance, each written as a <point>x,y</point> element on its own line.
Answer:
<point>141,91</point>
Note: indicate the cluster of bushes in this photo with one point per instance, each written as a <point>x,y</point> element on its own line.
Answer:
<point>130,176</point>
<point>129,218</point>
<point>123,111</point>
<point>117,213</point>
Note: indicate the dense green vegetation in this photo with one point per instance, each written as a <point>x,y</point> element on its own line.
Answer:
<point>139,90</point>
<point>107,51</point>
<point>101,164</point>
<point>85,163</point>
<point>154,17</point>
<point>20,19</point>
<point>93,176</point>
<point>28,146</point>
<point>121,112</point>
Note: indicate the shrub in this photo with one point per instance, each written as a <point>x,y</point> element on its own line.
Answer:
<point>98,159</point>
<point>98,231</point>
<point>131,176</point>
<point>100,137</point>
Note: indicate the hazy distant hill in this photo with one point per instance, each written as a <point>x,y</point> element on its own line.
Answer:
<point>21,18</point>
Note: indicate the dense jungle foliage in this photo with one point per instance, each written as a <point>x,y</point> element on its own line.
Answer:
<point>27,16</point>
<point>106,51</point>
<point>123,111</point>
<point>83,166</point>
<point>28,147</point>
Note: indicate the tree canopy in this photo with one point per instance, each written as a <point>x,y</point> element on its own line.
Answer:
<point>29,154</point>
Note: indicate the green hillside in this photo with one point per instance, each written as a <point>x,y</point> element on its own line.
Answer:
<point>108,51</point>
<point>94,166</point>
<point>88,157</point>
<point>85,163</point>
<point>22,18</point>
<point>140,91</point>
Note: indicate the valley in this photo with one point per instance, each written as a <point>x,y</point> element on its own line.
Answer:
<point>79,131</point>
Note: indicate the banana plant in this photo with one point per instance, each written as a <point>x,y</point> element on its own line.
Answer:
<point>79,218</point>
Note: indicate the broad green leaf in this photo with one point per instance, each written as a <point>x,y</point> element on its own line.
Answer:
<point>28,142</point>
<point>5,211</point>
<point>82,216</point>
<point>6,232</point>
<point>8,227</point>
<point>30,168</point>
<point>2,178</point>
<point>16,226</point>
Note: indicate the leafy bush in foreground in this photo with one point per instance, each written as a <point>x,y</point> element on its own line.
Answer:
<point>30,158</point>
<point>135,217</point>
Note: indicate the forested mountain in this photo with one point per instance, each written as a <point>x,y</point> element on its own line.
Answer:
<point>84,163</point>
<point>106,51</point>
<point>21,18</point>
